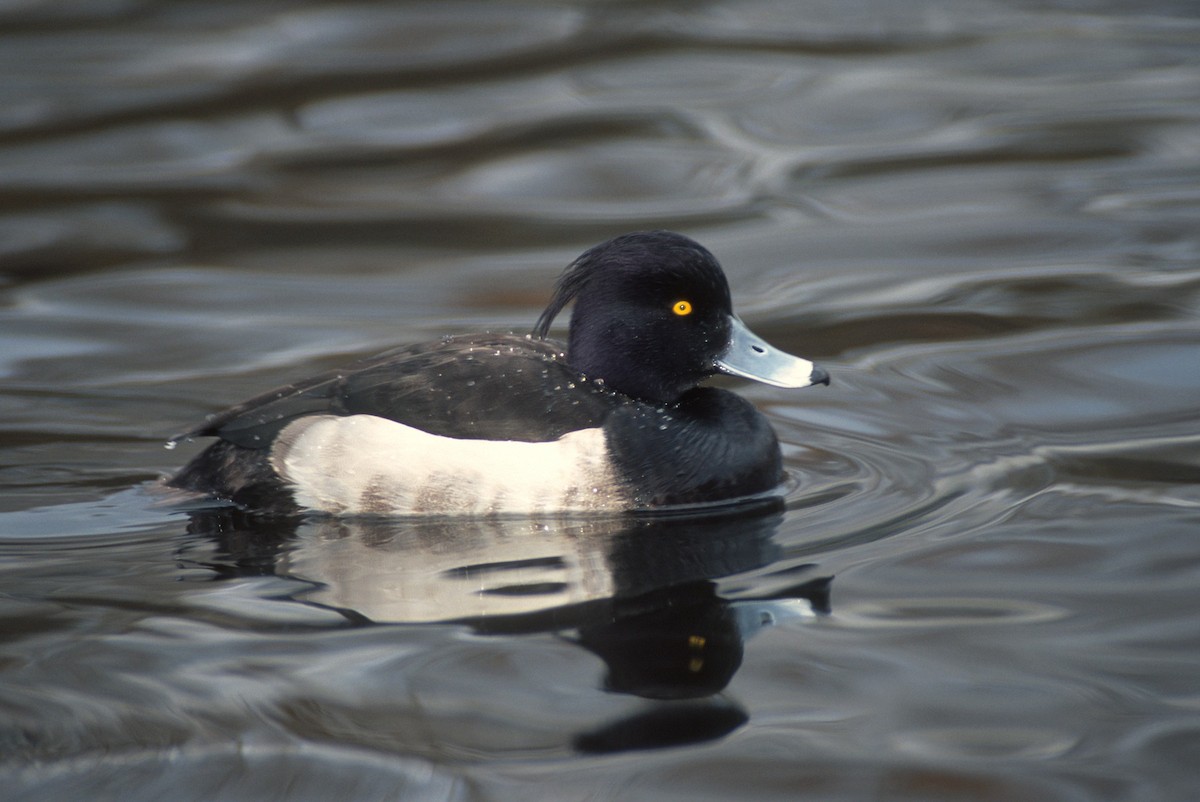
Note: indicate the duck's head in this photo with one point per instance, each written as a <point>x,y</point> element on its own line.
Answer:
<point>653,319</point>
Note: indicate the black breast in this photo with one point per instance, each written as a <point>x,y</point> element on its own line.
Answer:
<point>712,445</point>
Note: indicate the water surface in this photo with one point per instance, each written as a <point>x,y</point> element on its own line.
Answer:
<point>980,217</point>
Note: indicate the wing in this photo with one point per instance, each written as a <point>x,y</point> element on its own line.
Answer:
<point>479,386</point>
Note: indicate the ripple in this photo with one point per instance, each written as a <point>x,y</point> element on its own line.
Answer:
<point>838,26</point>
<point>85,234</point>
<point>678,78</point>
<point>1169,743</point>
<point>420,117</point>
<point>645,174</point>
<point>646,179</point>
<point>841,108</point>
<point>990,743</point>
<point>946,612</point>
<point>170,154</point>
<point>241,770</point>
<point>127,512</point>
<point>1161,469</point>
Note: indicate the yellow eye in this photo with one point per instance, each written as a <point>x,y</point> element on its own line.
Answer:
<point>682,308</point>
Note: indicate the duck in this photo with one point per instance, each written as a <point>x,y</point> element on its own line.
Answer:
<point>617,420</point>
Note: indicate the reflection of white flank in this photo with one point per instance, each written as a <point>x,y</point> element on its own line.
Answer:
<point>422,571</point>
<point>362,464</point>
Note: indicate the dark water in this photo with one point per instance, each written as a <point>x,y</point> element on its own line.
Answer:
<point>981,217</point>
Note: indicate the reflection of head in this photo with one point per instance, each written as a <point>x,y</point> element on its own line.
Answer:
<point>662,726</point>
<point>682,647</point>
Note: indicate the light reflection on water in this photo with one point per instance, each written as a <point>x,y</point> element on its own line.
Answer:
<point>980,217</point>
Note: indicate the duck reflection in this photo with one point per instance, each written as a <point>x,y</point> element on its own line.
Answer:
<point>642,593</point>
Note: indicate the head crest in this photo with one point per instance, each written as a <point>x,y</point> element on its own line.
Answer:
<point>565,289</point>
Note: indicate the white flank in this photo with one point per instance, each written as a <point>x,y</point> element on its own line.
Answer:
<point>362,464</point>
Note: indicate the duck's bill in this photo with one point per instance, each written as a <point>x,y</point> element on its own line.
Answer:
<point>751,357</point>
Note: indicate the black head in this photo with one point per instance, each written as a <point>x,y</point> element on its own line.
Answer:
<point>653,319</point>
<point>652,314</point>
